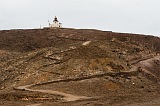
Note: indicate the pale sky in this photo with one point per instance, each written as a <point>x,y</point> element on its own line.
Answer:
<point>132,16</point>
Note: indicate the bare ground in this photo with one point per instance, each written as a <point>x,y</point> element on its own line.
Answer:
<point>71,67</point>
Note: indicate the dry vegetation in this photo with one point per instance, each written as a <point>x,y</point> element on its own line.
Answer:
<point>106,67</point>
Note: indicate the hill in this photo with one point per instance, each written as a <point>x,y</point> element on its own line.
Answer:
<point>78,67</point>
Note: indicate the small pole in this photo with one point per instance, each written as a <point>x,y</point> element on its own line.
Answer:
<point>48,23</point>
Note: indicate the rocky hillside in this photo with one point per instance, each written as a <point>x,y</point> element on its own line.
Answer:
<point>41,56</point>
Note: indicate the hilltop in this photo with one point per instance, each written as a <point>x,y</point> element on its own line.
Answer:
<point>89,67</point>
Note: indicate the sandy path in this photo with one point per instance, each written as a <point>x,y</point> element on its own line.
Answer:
<point>67,97</point>
<point>71,97</point>
<point>33,105</point>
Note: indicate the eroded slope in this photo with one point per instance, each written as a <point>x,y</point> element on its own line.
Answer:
<point>115,62</point>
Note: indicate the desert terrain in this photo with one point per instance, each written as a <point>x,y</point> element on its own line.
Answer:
<point>78,67</point>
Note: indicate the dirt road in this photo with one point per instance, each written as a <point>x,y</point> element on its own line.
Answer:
<point>66,96</point>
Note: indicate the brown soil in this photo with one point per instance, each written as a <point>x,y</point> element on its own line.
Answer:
<point>78,67</point>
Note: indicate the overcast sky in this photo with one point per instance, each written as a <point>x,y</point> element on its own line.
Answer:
<point>133,16</point>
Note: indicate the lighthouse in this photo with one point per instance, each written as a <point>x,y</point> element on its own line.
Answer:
<point>56,23</point>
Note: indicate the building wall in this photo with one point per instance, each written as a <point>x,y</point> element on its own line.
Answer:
<point>60,25</point>
<point>56,24</point>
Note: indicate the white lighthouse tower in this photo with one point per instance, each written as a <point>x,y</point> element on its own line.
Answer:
<point>56,23</point>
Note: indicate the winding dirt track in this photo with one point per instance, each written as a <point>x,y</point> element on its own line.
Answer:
<point>66,96</point>
<point>71,97</point>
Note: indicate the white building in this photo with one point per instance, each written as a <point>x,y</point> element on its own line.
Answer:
<point>56,23</point>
